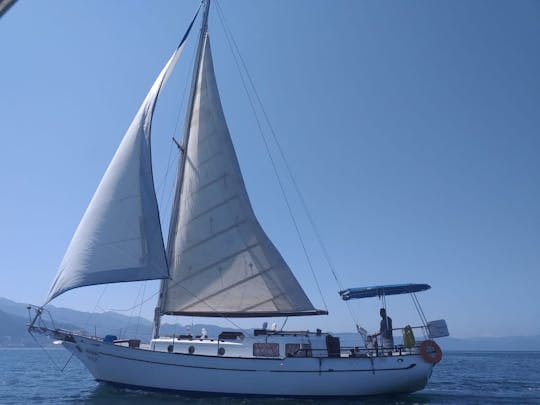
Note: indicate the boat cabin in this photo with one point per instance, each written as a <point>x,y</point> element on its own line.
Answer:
<point>259,344</point>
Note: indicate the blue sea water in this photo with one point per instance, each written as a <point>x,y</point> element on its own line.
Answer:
<point>27,376</point>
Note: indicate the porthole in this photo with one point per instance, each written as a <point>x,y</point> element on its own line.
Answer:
<point>191,349</point>
<point>221,351</point>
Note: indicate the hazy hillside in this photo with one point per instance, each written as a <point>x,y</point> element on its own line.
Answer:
<point>14,318</point>
<point>511,343</point>
<point>507,343</point>
<point>10,330</point>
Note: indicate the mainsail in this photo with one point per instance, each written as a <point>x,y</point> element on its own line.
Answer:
<point>221,262</point>
<point>119,237</point>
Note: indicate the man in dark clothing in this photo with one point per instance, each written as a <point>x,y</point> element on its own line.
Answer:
<point>386,331</point>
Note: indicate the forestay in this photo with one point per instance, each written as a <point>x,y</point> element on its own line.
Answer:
<point>221,261</point>
<point>119,237</point>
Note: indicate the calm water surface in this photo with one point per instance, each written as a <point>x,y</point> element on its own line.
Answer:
<point>28,376</point>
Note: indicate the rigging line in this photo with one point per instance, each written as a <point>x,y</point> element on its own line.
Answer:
<point>284,322</point>
<point>95,306</point>
<point>42,323</point>
<point>161,187</point>
<point>47,353</point>
<point>419,313</point>
<point>127,322</point>
<point>67,362</point>
<point>136,300</point>
<point>184,91</point>
<point>140,309</point>
<point>421,310</point>
<point>267,147</point>
<point>351,313</point>
<point>137,305</point>
<point>287,166</point>
<point>178,115</point>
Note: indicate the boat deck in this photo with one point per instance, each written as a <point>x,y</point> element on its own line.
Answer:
<point>266,345</point>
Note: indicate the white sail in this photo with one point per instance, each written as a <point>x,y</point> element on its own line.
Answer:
<point>221,261</point>
<point>119,237</point>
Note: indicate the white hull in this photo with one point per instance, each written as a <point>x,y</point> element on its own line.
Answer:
<point>215,375</point>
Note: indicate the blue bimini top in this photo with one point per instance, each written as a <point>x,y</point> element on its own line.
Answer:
<point>380,290</point>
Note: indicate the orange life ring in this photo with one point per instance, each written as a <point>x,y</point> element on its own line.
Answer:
<point>430,351</point>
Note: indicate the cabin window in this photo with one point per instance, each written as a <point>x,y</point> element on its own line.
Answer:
<point>298,350</point>
<point>266,349</point>
<point>226,335</point>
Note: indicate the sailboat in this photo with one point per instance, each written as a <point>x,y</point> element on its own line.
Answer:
<point>218,262</point>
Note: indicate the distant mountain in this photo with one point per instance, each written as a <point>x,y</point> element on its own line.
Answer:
<point>10,331</point>
<point>507,343</point>
<point>13,308</point>
<point>14,318</point>
<point>13,330</point>
<point>496,344</point>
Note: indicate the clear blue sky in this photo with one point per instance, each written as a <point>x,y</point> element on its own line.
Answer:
<point>413,129</point>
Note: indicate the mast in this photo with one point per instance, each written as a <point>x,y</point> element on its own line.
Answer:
<point>182,163</point>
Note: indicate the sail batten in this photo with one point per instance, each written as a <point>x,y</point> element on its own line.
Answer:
<point>221,261</point>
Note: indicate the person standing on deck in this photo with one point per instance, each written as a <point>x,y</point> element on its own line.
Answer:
<point>387,339</point>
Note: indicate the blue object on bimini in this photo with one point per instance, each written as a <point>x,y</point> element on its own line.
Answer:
<point>109,339</point>
<point>380,290</point>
